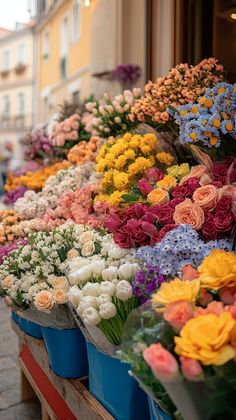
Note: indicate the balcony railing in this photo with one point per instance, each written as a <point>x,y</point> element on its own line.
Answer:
<point>15,123</point>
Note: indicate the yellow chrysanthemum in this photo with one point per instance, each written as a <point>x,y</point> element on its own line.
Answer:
<point>130,154</point>
<point>107,180</point>
<point>218,270</point>
<point>116,197</point>
<point>165,158</point>
<point>120,162</point>
<point>206,338</point>
<point>121,181</point>
<point>177,290</point>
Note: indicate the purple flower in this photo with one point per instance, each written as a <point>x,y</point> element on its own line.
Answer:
<point>13,195</point>
<point>5,249</point>
<point>146,282</point>
<point>127,73</point>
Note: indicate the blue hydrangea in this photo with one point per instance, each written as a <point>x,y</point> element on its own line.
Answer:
<point>179,247</point>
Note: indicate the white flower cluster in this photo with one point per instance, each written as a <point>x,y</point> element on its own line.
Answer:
<point>36,204</point>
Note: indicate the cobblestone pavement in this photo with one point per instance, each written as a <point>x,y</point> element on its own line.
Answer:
<point>11,408</point>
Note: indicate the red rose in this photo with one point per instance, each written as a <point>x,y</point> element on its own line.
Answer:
<point>149,217</point>
<point>166,229</point>
<point>193,184</point>
<point>223,221</point>
<point>154,174</point>
<point>155,238</point>
<point>134,227</point>
<point>148,228</point>
<point>231,174</point>
<point>122,239</point>
<point>165,214</point>
<point>220,171</point>
<point>209,231</point>
<point>224,203</point>
<point>175,201</point>
<point>137,210</point>
<point>217,184</point>
<point>144,186</point>
<point>181,191</point>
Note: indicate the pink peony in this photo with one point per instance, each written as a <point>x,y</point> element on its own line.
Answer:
<point>191,369</point>
<point>178,313</point>
<point>163,364</point>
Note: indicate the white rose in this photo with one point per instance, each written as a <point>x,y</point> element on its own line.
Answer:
<point>75,295</point>
<point>126,271</point>
<point>91,289</point>
<point>124,290</point>
<point>80,276</point>
<point>110,273</point>
<point>91,316</point>
<point>86,302</point>
<point>107,287</point>
<point>107,310</point>
<point>115,252</point>
<point>97,266</point>
<point>104,298</point>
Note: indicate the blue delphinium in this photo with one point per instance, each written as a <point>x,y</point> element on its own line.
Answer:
<point>146,282</point>
<point>178,248</point>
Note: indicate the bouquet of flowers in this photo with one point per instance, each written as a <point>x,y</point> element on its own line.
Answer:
<point>182,85</point>
<point>68,132</point>
<point>13,195</point>
<point>210,123</point>
<point>186,341</point>
<point>38,147</point>
<point>8,220</point>
<point>111,116</point>
<point>84,152</point>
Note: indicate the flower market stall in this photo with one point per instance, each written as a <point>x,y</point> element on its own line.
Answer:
<point>117,257</point>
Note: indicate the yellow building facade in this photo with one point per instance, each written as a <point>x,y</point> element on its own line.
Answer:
<point>17,97</point>
<point>63,34</point>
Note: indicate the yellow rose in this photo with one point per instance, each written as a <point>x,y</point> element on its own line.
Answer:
<point>218,270</point>
<point>158,196</point>
<point>206,339</point>
<point>43,301</point>
<point>177,290</point>
<point>167,183</point>
<point>121,181</point>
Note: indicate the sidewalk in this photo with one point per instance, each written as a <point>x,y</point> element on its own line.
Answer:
<point>10,406</point>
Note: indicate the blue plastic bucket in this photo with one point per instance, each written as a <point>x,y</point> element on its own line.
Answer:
<point>117,391</point>
<point>14,317</point>
<point>66,352</point>
<point>155,412</point>
<point>30,328</point>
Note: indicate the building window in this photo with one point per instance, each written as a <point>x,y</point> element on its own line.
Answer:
<point>21,103</point>
<point>75,27</point>
<point>45,45</point>
<point>6,60</point>
<point>64,47</point>
<point>45,109</point>
<point>5,111</point>
<point>75,97</point>
<point>21,54</point>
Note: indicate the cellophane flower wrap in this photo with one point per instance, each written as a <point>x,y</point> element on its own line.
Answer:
<point>185,340</point>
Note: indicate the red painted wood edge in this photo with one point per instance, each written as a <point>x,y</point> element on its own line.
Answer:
<point>48,390</point>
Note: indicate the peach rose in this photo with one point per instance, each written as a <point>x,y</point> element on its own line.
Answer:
<point>206,197</point>
<point>85,237</point>
<point>7,283</point>
<point>60,296</point>
<point>43,301</point>
<point>191,369</point>
<point>163,364</point>
<point>189,213</point>
<point>228,295</point>
<point>214,307</point>
<point>196,172</point>
<point>178,313</point>
<point>60,282</point>
<point>158,196</point>
<point>189,273</point>
<point>88,249</point>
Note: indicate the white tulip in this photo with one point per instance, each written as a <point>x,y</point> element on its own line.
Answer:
<point>107,287</point>
<point>91,289</point>
<point>72,277</point>
<point>115,252</point>
<point>97,266</point>
<point>107,310</point>
<point>104,298</point>
<point>91,316</point>
<point>86,302</point>
<point>126,271</point>
<point>110,273</point>
<point>83,274</point>
<point>75,295</point>
<point>124,290</point>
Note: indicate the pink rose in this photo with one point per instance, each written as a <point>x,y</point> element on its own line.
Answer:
<point>191,369</point>
<point>149,217</point>
<point>189,213</point>
<point>144,186</point>
<point>122,239</point>
<point>209,230</point>
<point>166,229</point>
<point>154,174</point>
<point>205,297</point>
<point>228,295</point>
<point>189,272</point>
<point>216,308</point>
<point>178,313</point>
<point>165,214</point>
<point>206,197</point>
<point>163,364</point>
<point>113,222</point>
<point>224,203</point>
<point>223,221</point>
<point>149,228</point>
<point>220,172</point>
<point>175,201</point>
<point>196,171</point>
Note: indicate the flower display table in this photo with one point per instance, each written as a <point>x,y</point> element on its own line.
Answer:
<point>61,399</point>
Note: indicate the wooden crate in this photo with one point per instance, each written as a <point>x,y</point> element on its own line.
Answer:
<point>62,399</point>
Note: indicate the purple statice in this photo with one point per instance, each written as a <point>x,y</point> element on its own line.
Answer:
<point>178,248</point>
<point>37,145</point>
<point>5,249</point>
<point>13,195</point>
<point>127,73</point>
<point>146,282</point>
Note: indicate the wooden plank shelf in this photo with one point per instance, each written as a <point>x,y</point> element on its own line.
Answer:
<point>61,399</point>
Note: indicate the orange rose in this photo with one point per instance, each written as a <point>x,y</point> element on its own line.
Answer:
<point>206,197</point>
<point>158,196</point>
<point>189,213</point>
